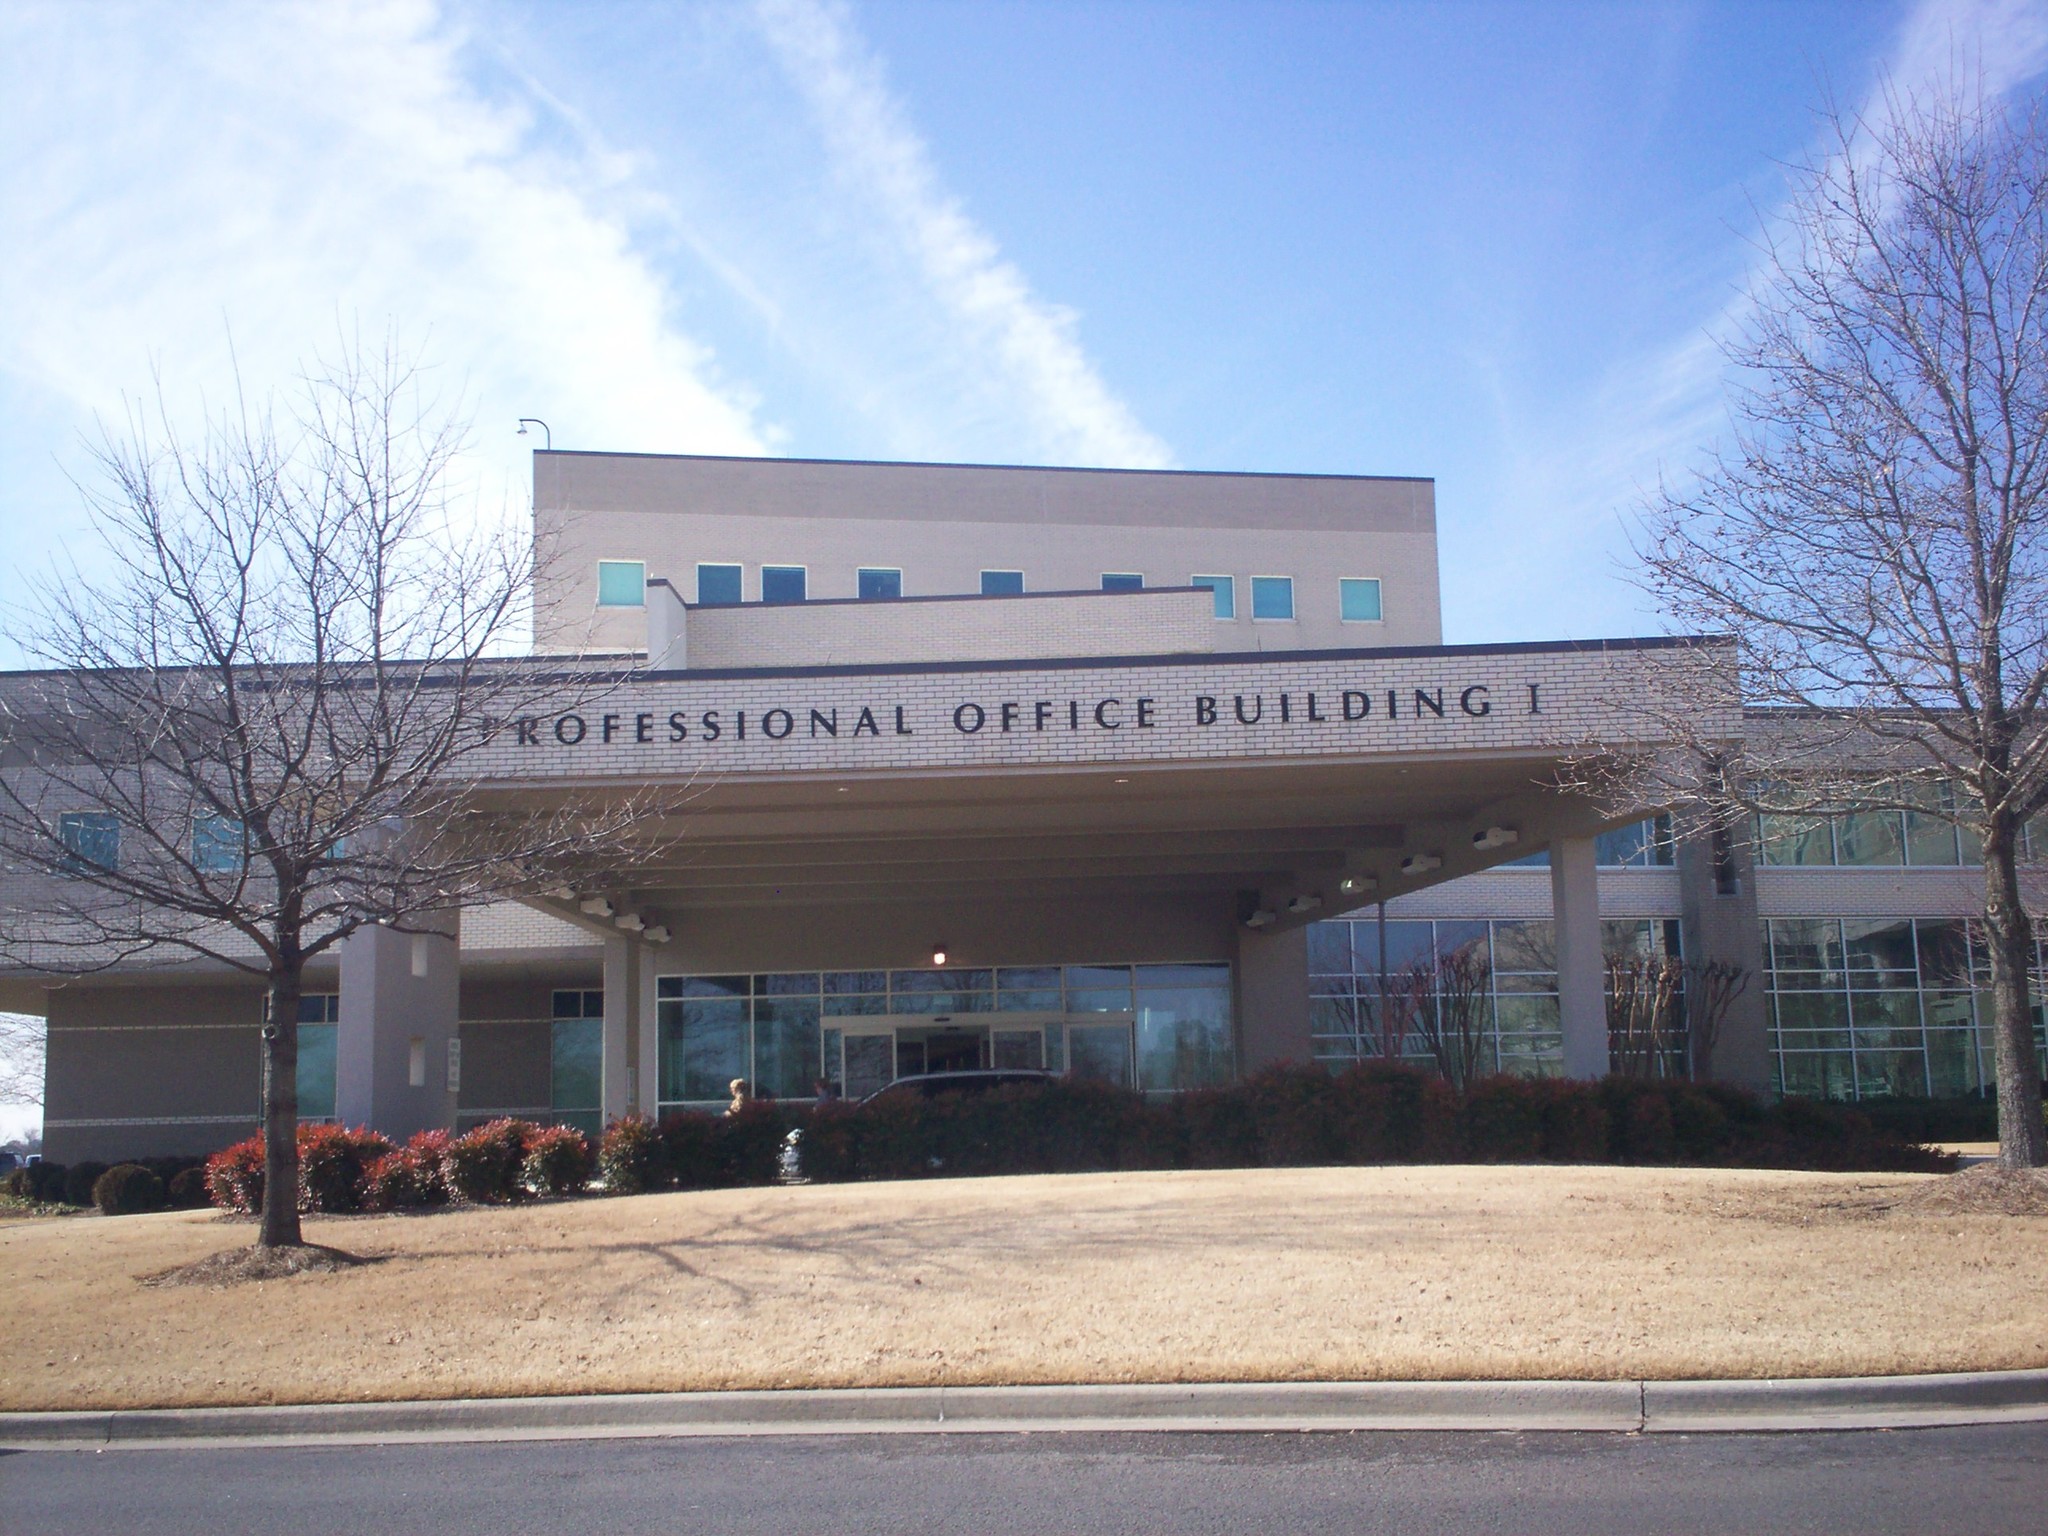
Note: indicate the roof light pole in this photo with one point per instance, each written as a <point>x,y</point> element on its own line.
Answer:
<point>535,421</point>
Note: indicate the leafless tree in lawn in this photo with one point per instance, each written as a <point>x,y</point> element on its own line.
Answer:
<point>21,1061</point>
<point>1872,532</point>
<point>262,727</point>
<point>1452,1016</point>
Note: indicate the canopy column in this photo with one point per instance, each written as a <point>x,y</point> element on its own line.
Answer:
<point>396,1068</point>
<point>1581,971</point>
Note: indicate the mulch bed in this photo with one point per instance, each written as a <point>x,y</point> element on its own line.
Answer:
<point>240,1266</point>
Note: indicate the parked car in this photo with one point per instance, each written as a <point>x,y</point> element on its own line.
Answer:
<point>930,1085</point>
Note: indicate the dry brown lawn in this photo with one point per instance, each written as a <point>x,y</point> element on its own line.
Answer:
<point>1288,1274</point>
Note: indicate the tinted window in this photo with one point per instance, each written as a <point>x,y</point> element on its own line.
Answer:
<point>1122,581</point>
<point>876,582</point>
<point>621,584</point>
<point>1272,597</point>
<point>1002,583</point>
<point>782,583</point>
<point>1358,598</point>
<point>1223,589</point>
<point>718,583</point>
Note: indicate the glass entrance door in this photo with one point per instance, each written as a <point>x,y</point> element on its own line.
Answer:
<point>1100,1047</point>
<point>869,1060</point>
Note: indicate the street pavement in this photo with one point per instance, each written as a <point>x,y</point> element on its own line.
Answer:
<point>1991,1479</point>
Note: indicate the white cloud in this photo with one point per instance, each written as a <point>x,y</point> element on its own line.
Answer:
<point>175,174</point>
<point>1003,330</point>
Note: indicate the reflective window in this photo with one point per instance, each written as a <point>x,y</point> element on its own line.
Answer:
<point>782,583</point>
<point>1223,589</point>
<point>1358,599</point>
<point>318,1014</point>
<point>90,838</point>
<point>878,582</point>
<point>1645,845</point>
<point>217,845</point>
<point>1002,583</point>
<point>622,584</point>
<point>718,584</point>
<point>1272,597</point>
<point>1122,581</point>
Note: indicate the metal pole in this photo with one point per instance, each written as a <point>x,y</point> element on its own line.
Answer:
<point>1383,974</point>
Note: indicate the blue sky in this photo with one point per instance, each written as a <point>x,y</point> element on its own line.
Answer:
<point>1487,243</point>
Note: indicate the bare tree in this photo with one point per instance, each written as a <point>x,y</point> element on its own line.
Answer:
<point>22,1045</point>
<point>1872,530</point>
<point>261,726</point>
<point>1643,1014</point>
<point>1452,996</point>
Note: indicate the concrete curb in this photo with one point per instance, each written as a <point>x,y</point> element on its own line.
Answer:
<point>1631,1407</point>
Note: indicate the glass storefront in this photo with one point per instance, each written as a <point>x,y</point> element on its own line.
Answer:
<point>1160,1028</point>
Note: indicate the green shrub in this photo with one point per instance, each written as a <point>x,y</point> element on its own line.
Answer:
<point>79,1179</point>
<point>557,1160</point>
<point>127,1189</point>
<point>482,1166</point>
<point>632,1158</point>
<point>186,1189</point>
<point>20,1184</point>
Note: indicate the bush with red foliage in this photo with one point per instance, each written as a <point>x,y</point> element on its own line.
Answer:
<point>557,1160</point>
<point>332,1161</point>
<point>409,1178</point>
<point>482,1165</point>
<point>234,1177</point>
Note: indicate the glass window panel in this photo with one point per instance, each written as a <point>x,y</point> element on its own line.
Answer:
<point>786,1047</point>
<point>1528,1024</point>
<point>1028,977</point>
<point>1945,1009</point>
<point>1099,1000</point>
<point>1122,581</point>
<point>718,584</point>
<point>1796,839</point>
<point>835,1068</point>
<point>856,981</point>
<point>787,984</point>
<point>316,1071</point>
<point>1098,976</point>
<point>1952,1063</point>
<point>1010,1000</point>
<point>1809,949</point>
<point>1272,597</point>
<point>1463,938</point>
<point>1890,1074</point>
<point>1869,837</point>
<point>1002,583</point>
<point>1879,953</point>
<point>576,1003</point>
<point>874,582</point>
<point>1826,1012</point>
<point>1332,1016</point>
<point>1184,1038</point>
<point>1817,1074</point>
<point>1223,592</point>
<point>622,584</point>
<point>1194,975</point>
<point>1358,599</point>
<point>1640,846</point>
<point>782,583</point>
<point>869,1064</point>
<point>1055,1047</point>
<point>665,986</point>
<point>1628,940</point>
<point>1338,986</point>
<point>1407,943</point>
<point>90,838</point>
<point>319,1007</point>
<point>217,845</point>
<point>1528,946</point>
<point>865,1004</point>
<point>1016,1050</point>
<point>1329,948</point>
<point>717,986</point>
<point>941,1002</point>
<point>576,1065</point>
<point>704,1046</point>
<point>1931,838</point>
<point>1099,1051</point>
<point>1886,1020</point>
<point>941,981</point>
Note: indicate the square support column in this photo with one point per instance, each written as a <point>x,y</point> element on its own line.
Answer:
<point>648,1052</point>
<point>1272,999</point>
<point>400,1002</point>
<point>627,989</point>
<point>1581,970</point>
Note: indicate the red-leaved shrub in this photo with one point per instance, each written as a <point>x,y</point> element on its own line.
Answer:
<point>332,1162</point>
<point>409,1178</point>
<point>482,1166</point>
<point>631,1158</point>
<point>234,1177</point>
<point>557,1160</point>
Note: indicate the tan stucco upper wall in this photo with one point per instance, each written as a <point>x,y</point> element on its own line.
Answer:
<point>942,525</point>
<point>1164,622</point>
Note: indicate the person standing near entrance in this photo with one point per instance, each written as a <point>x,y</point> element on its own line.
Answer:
<point>741,1097</point>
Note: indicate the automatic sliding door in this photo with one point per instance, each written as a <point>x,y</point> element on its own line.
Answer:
<point>870,1061</point>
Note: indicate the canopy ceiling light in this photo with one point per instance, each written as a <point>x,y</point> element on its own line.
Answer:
<point>1263,918</point>
<point>658,934</point>
<point>1496,837</point>
<point>938,954</point>
<point>1421,863</point>
<point>632,922</point>
<point>597,906</point>
<point>1351,883</point>
<point>1304,903</point>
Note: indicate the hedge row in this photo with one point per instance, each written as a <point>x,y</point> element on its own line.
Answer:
<point>1286,1116</point>
<point>343,1170</point>
<point>180,1183</point>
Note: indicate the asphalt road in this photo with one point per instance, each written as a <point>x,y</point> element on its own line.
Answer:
<point>1992,1479</point>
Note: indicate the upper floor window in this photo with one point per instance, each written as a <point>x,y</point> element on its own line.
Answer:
<point>1122,581</point>
<point>1223,590</point>
<point>1865,835</point>
<point>718,583</point>
<point>1002,583</point>
<point>1358,599</point>
<point>1272,597</point>
<point>622,584</point>
<point>319,1007</point>
<point>782,583</point>
<point>1644,845</point>
<point>879,581</point>
<point>579,1004</point>
<point>217,845</point>
<point>90,838</point>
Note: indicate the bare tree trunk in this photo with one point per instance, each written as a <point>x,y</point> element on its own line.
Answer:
<point>2021,1141</point>
<point>281,1113</point>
